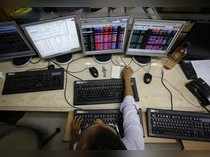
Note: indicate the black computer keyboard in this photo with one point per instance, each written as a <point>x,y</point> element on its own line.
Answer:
<point>33,81</point>
<point>188,70</point>
<point>113,118</point>
<point>178,124</point>
<point>101,91</point>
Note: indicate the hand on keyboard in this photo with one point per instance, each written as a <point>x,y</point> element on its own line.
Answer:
<point>75,129</point>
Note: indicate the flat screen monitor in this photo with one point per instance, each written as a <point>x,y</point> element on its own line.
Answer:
<point>54,37</point>
<point>198,42</point>
<point>153,37</point>
<point>103,35</point>
<point>13,43</point>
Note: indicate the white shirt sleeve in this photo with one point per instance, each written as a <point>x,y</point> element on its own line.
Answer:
<point>133,131</point>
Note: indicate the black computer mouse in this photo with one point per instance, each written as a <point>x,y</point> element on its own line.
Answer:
<point>93,71</point>
<point>147,78</point>
<point>51,67</point>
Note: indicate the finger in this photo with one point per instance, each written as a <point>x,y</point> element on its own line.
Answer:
<point>99,121</point>
<point>74,122</point>
<point>78,123</point>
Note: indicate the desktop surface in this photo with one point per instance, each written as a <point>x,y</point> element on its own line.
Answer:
<point>149,96</point>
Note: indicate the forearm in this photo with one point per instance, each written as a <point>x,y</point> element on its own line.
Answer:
<point>133,131</point>
<point>128,87</point>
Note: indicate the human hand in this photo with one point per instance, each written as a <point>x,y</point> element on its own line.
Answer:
<point>75,129</point>
<point>127,72</point>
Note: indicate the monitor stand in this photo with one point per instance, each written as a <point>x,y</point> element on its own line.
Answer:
<point>21,61</point>
<point>143,59</point>
<point>64,58</point>
<point>104,58</point>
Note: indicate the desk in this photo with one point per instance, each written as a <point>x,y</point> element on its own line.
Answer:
<point>152,95</point>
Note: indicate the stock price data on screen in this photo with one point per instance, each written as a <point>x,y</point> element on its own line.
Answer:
<point>102,35</point>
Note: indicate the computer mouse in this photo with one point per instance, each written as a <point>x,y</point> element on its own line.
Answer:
<point>51,67</point>
<point>93,71</point>
<point>147,78</point>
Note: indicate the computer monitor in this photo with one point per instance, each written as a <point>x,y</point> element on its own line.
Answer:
<point>153,37</point>
<point>13,43</point>
<point>104,35</point>
<point>198,43</point>
<point>55,37</point>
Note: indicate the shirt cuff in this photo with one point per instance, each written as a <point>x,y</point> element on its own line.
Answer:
<point>128,100</point>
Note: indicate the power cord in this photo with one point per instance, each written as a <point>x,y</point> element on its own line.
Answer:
<point>206,108</point>
<point>66,70</point>
<point>116,64</point>
<point>65,91</point>
<point>141,65</point>
<point>163,79</point>
<point>181,94</point>
<point>66,82</point>
<point>125,62</point>
<point>179,141</point>
<point>79,71</point>
<point>171,95</point>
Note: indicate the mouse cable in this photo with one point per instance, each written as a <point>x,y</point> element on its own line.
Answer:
<point>116,64</point>
<point>181,94</point>
<point>206,108</point>
<point>66,70</point>
<point>171,95</point>
<point>79,70</point>
<point>65,87</point>
<point>65,93</point>
<point>141,65</point>
<point>125,62</point>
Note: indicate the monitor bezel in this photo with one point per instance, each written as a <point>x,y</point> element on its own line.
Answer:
<point>52,20</point>
<point>148,52</point>
<point>109,51</point>
<point>12,55</point>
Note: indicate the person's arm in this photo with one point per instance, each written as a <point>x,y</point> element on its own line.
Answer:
<point>133,131</point>
<point>126,75</point>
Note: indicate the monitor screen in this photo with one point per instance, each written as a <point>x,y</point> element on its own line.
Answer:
<point>54,37</point>
<point>12,42</point>
<point>153,38</point>
<point>103,35</point>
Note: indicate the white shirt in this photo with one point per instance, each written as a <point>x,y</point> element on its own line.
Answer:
<point>133,131</point>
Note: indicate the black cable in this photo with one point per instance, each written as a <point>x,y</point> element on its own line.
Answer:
<point>66,70</point>
<point>66,80</point>
<point>179,141</point>
<point>138,63</point>
<point>79,71</point>
<point>171,95</point>
<point>65,90</point>
<point>115,63</point>
<point>125,62</point>
<point>206,108</point>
